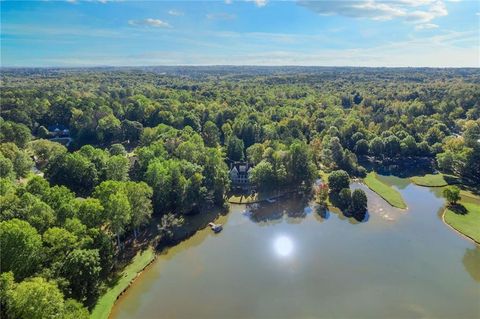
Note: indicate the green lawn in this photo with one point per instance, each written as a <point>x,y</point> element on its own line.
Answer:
<point>467,194</point>
<point>105,303</point>
<point>392,196</point>
<point>257,197</point>
<point>433,180</point>
<point>244,199</point>
<point>467,224</point>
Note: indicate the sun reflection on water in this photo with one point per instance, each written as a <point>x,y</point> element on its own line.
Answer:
<point>283,246</point>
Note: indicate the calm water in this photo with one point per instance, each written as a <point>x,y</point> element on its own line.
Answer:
<point>285,261</point>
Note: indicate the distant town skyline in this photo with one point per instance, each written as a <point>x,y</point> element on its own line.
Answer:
<point>396,33</point>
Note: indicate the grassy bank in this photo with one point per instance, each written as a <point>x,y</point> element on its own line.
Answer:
<point>434,180</point>
<point>244,199</point>
<point>105,303</point>
<point>465,217</point>
<point>257,197</point>
<point>466,222</point>
<point>392,196</point>
<point>467,194</point>
<point>143,258</point>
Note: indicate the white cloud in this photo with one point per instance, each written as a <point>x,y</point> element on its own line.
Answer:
<point>259,3</point>
<point>220,16</point>
<point>415,3</point>
<point>374,10</point>
<point>228,1</point>
<point>414,11</point>
<point>426,26</point>
<point>175,13</point>
<point>150,22</point>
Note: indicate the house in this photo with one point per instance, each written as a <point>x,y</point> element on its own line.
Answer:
<point>240,173</point>
<point>58,131</point>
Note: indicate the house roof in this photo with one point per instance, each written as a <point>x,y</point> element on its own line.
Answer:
<point>241,168</point>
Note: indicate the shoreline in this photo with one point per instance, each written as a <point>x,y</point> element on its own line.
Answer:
<point>380,195</point>
<point>247,201</point>
<point>156,251</point>
<point>372,188</point>
<point>456,230</point>
<point>102,310</point>
<point>463,193</point>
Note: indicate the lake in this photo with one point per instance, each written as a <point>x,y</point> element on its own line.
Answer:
<point>283,260</point>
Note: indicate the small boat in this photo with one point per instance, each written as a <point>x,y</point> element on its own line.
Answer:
<point>215,227</point>
<point>270,200</point>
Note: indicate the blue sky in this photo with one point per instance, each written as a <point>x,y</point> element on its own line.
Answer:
<point>434,33</point>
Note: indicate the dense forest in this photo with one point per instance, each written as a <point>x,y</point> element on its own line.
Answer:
<point>89,157</point>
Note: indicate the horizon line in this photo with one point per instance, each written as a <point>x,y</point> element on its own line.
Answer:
<point>237,66</point>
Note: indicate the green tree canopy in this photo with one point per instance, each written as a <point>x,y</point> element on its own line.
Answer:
<point>359,201</point>
<point>235,149</point>
<point>20,248</point>
<point>82,270</point>
<point>338,180</point>
<point>452,194</point>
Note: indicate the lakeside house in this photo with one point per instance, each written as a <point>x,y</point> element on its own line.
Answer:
<point>240,173</point>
